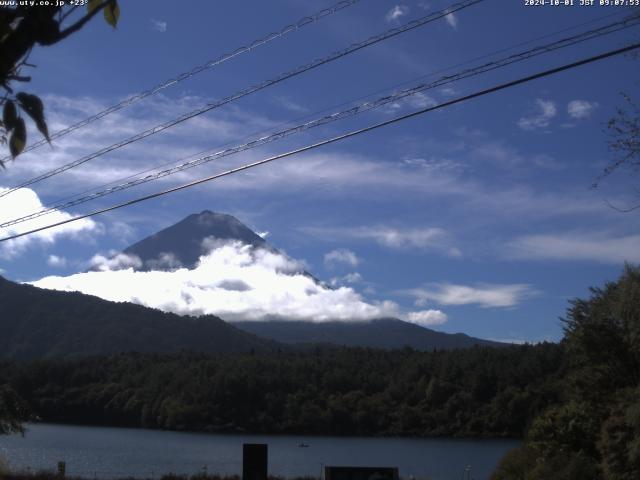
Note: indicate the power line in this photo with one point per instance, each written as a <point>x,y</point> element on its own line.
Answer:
<point>302,22</point>
<point>344,136</point>
<point>355,110</point>
<point>60,201</point>
<point>255,88</point>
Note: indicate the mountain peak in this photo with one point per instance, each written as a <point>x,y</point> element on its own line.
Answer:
<point>182,243</point>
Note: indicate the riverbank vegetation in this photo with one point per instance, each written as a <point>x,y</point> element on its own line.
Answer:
<point>478,392</point>
<point>594,432</point>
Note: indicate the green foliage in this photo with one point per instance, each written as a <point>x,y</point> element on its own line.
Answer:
<point>33,106</point>
<point>13,411</point>
<point>620,438</point>
<point>4,466</point>
<point>331,391</point>
<point>527,463</point>
<point>112,13</point>
<point>603,337</point>
<point>22,27</point>
<point>571,427</point>
<point>595,432</point>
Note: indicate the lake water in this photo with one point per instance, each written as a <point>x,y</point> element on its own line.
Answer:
<point>98,452</point>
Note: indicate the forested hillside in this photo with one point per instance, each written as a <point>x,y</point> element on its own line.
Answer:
<point>594,432</point>
<point>37,323</point>
<point>476,392</point>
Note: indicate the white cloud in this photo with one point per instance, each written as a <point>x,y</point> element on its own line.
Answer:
<point>122,231</point>
<point>415,101</point>
<point>580,109</point>
<point>159,25</point>
<point>452,20</point>
<point>25,201</point>
<point>349,278</point>
<point>235,281</point>
<point>396,238</point>
<point>341,256</point>
<point>598,247</point>
<point>411,238</point>
<point>427,317</point>
<point>449,91</point>
<point>354,277</point>
<point>396,13</point>
<point>56,261</point>
<point>545,110</point>
<point>291,105</point>
<point>484,295</point>
<point>114,261</point>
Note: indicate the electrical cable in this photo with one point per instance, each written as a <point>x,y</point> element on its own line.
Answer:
<point>344,136</point>
<point>194,71</point>
<point>355,110</point>
<point>255,88</point>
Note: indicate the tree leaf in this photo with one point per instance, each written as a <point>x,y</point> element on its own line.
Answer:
<point>33,106</point>
<point>9,115</point>
<point>92,5</point>
<point>18,138</point>
<point>112,13</point>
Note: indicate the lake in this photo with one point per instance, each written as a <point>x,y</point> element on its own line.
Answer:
<point>99,452</point>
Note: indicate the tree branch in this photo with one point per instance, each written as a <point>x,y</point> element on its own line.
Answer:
<point>80,23</point>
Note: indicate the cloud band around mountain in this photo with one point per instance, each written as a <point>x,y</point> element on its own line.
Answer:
<point>236,282</point>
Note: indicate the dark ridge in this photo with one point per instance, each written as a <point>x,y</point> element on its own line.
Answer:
<point>387,333</point>
<point>36,323</point>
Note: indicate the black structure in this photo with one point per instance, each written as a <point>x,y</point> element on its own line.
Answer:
<point>254,461</point>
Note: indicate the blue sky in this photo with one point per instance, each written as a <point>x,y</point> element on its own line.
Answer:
<point>482,212</point>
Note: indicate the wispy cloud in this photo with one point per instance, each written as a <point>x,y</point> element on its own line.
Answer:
<point>159,25</point>
<point>396,13</point>
<point>484,295</point>
<point>452,20</point>
<point>580,109</point>
<point>599,247</point>
<point>541,116</point>
<point>427,317</point>
<point>341,256</point>
<point>56,261</point>
<point>391,237</point>
<point>291,105</point>
<point>347,279</point>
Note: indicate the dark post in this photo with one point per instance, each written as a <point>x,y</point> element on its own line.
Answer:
<point>62,469</point>
<point>254,461</point>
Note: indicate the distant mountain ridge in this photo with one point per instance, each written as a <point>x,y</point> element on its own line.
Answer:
<point>36,323</point>
<point>386,333</point>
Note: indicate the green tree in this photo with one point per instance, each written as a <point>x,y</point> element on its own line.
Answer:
<point>13,411</point>
<point>595,431</point>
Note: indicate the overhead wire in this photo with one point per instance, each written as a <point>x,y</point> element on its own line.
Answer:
<point>342,104</point>
<point>340,115</point>
<point>302,22</point>
<point>252,89</point>
<point>338,138</point>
